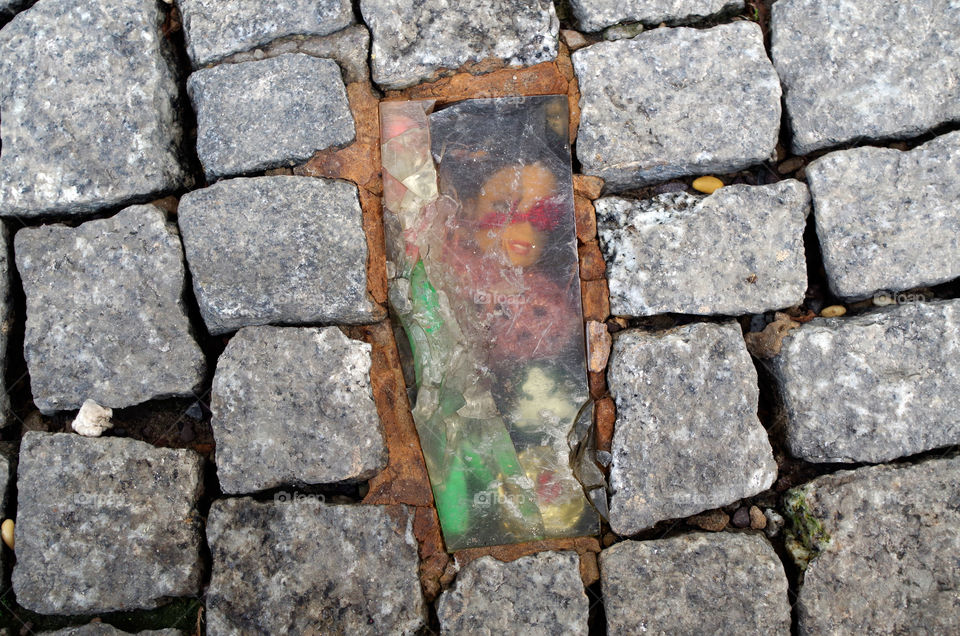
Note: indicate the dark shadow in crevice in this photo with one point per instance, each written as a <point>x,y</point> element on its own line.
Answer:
<point>177,48</point>
<point>597,619</point>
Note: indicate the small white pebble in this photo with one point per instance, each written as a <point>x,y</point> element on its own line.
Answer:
<point>93,419</point>
<point>774,522</point>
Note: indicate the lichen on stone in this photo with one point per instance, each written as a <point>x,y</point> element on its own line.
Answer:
<point>806,538</point>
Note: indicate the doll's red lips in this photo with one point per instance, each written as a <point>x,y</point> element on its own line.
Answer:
<point>520,247</point>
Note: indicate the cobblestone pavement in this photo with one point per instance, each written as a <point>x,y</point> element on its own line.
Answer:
<point>192,239</point>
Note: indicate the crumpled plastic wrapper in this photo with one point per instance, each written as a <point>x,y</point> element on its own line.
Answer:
<point>482,257</point>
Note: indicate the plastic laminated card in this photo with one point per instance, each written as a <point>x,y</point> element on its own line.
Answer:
<point>484,280</point>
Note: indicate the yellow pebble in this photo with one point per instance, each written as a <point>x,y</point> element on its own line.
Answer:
<point>833,311</point>
<point>707,185</point>
<point>6,531</point>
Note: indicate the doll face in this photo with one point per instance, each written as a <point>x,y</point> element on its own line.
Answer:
<point>504,207</point>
